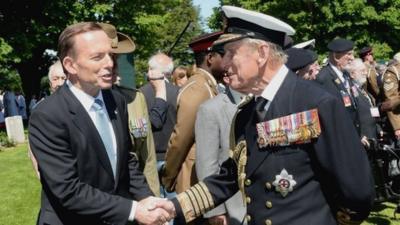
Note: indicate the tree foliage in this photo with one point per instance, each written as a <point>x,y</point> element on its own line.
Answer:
<point>367,22</point>
<point>30,27</point>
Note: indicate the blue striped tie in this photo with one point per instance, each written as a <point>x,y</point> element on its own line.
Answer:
<point>105,132</point>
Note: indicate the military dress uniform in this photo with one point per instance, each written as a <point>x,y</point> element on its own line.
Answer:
<point>391,92</point>
<point>294,153</point>
<point>323,180</point>
<point>141,135</point>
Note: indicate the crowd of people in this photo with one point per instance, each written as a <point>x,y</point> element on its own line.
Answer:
<point>256,132</point>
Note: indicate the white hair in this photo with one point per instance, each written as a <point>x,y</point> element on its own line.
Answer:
<point>276,52</point>
<point>355,64</point>
<point>54,68</point>
<point>162,62</point>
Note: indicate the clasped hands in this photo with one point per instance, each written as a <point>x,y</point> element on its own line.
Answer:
<point>154,211</point>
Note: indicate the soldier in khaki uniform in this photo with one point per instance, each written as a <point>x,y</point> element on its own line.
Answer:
<point>179,174</point>
<point>391,94</point>
<point>366,55</point>
<point>139,123</point>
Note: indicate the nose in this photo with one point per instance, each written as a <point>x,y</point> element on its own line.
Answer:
<point>109,61</point>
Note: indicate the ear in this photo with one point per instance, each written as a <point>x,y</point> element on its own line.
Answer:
<point>209,58</point>
<point>69,65</point>
<point>263,53</point>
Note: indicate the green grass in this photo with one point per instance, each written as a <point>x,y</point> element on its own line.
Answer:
<point>19,188</point>
<point>20,192</point>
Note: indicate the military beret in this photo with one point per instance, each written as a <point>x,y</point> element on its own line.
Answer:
<point>203,43</point>
<point>364,51</point>
<point>299,58</point>
<point>340,45</point>
<point>242,23</point>
<point>120,43</point>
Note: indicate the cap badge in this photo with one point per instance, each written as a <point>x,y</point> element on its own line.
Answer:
<point>284,183</point>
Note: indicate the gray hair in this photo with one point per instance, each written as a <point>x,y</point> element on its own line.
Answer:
<point>53,68</point>
<point>162,62</point>
<point>355,64</point>
<point>276,52</point>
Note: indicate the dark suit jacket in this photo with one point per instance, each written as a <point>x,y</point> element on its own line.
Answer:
<point>162,116</point>
<point>78,186</point>
<point>331,83</point>
<point>322,169</point>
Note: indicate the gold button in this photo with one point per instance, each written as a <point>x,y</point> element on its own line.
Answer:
<point>248,200</point>
<point>268,222</point>
<point>247,182</point>
<point>248,218</point>
<point>268,204</point>
<point>268,185</point>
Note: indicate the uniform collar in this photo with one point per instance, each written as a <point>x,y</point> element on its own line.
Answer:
<point>337,71</point>
<point>273,86</point>
<point>210,77</point>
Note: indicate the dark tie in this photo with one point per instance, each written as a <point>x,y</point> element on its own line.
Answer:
<point>260,108</point>
<point>105,132</point>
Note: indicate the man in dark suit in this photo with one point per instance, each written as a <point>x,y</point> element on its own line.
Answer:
<point>79,136</point>
<point>336,80</point>
<point>293,153</point>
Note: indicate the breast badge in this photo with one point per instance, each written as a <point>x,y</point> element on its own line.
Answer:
<point>284,183</point>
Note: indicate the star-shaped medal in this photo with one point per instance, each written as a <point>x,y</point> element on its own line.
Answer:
<point>284,183</point>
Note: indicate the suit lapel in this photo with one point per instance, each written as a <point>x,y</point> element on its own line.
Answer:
<point>278,107</point>
<point>115,117</point>
<point>83,122</point>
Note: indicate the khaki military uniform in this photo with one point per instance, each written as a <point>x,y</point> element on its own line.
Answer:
<point>372,84</point>
<point>391,93</point>
<point>179,173</point>
<point>142,136</point>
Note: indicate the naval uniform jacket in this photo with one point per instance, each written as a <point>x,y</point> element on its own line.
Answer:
<point>332,173</point>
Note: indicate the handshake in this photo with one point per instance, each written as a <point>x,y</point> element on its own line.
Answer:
<point>154,211</point>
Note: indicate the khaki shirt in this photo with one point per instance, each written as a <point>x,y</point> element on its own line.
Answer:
<point>179,173</point>
<point>373,87</point>
<point>143,142</point>
<point>391,92</point>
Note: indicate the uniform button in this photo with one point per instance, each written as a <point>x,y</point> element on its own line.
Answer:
<point>248,200</point>
<point>268,204</point>
<point>268,185</point>
<point>268,222</point>
<point>247,182</point>
<point>248,218</point>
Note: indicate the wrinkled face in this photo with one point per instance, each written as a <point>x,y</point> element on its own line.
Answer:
<point>240,65</point>
<point>57,79</point>
<point>343,59</point>
<point>90,62</point>
<point>359,75</point>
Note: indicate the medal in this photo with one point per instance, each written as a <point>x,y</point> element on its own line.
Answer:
<point>284,183</point>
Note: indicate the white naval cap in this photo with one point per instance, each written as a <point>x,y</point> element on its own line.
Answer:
<point>242,23</point>
<point>306,45</point>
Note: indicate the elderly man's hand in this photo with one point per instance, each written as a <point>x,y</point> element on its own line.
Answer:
<point>156,79</point>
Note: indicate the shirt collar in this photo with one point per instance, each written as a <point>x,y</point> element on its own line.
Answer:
<point>214,82</point>
<point>237,96</point>
<point>276,82</point>
<point>85,99</point>
<point>337,71</point>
